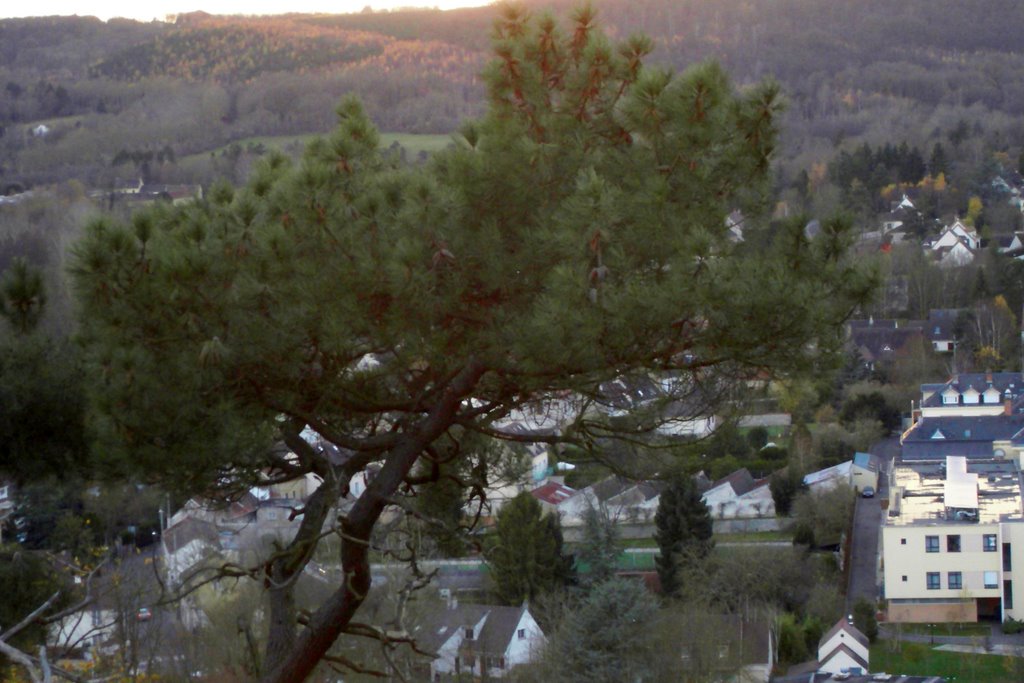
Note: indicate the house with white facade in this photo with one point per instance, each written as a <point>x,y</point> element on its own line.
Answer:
<point>479,641</point>
<point>844,650</point>
<point>738,496</point>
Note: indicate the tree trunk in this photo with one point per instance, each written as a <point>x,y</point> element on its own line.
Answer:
<point>282,571</point>
<point>334,616</point>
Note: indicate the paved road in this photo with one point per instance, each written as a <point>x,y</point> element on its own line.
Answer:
<point>865,579</point>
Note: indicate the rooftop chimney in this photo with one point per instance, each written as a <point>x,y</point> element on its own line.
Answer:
<point>1007,406</point>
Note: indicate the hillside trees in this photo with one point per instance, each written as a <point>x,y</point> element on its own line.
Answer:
<point>575,234</point>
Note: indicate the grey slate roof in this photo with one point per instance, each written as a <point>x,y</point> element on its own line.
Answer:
<point>969,436</point>
<point>850,630</point>
<point>497,632</point>
<point>741,481</point>
<point>941,322</point>
<point>1013,382</point>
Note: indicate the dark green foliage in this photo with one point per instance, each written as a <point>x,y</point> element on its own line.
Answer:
<point>605,638</point>
<point>599,547</point>
<point>574,235</point>
<point>870,406</point>
<point>22,296</point>
<point>27,580</point>
<point>792,642</point>
<point>785,485</point>
<point>757,437</point>
<point>683,531</point>
<point>872,169</point>
<point>442,504</point>
<point>864,618</point>
<point>526,557</point>
<point>1011,626</point>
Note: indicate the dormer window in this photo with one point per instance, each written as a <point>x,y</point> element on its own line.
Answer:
<point>950,397</point>
<point>938,435</point>
<point>469,633</point>
<point>971,396</point>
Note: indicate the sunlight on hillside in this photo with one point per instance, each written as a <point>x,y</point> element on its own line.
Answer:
<point>163,9</point>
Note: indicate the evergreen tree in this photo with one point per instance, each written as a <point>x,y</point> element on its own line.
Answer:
<point>526,559</point>
<point>683,531</point>
<point>575,234</point>
<point>606,639</point>
<point>599,549</point>
<point>22,296</point>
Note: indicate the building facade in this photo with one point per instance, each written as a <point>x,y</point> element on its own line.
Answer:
<point>953,541</point>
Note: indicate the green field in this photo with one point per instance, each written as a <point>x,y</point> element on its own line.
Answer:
<point>919,659</point>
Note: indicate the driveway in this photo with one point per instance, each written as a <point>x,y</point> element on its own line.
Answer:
<point>865,578</point>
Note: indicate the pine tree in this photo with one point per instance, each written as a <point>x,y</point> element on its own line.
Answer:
<point>683,531</point>
<point>526,560</point>
<point>574,234</point>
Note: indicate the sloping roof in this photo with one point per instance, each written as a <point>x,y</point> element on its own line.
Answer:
<point>553,493</point>
<point>941,323</point>
<point>849,629</point>
<point>881,343</point>
<point>980,381</point>
<point>847,651</point>
<point>840,471</point>
<point>865,461</point>
<point>966,428</point>
<point>440,623</point>
<point>741,481</point>
<point>610,487</point>
<point>188,530</point>
<point>498,630</point>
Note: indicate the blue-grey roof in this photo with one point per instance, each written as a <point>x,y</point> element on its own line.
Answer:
<point>937,437</point>
<point>865,461</point>
<point>941,322</point>
<point>1003,382</point>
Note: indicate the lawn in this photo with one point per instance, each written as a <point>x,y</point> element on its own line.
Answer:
<point>919,659</point>
<point>967,629</point>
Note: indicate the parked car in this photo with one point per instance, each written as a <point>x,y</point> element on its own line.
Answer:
<point>868,492</point>
<point>143,614</point>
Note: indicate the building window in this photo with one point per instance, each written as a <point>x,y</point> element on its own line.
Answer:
<point>955,580</point>
<point>953,543</point>
<point>469,633</point>
<point>1007,594</point>
<point>521,633</point>
<point>933,581</point>
<point>904,578</point>
<point>989,543</point>
<point>931,544</point>
<point>991,580</point>
<point>1007,563</point>
<point>903,541</point>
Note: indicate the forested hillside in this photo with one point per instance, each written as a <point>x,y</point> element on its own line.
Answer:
<point>872,71</point>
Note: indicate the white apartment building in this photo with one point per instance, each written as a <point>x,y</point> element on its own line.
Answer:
<point>953,541</point>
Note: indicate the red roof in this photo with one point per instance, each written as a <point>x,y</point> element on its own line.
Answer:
<point>553,493</point>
